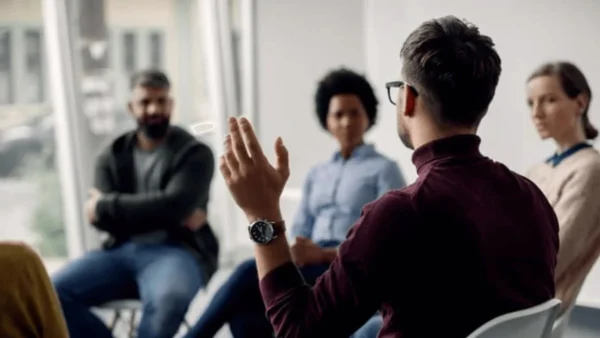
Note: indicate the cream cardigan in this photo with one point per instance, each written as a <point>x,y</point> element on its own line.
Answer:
<point>573,189</point>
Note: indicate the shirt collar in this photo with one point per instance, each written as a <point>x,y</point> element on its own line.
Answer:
<point>555,159</point>
<point>453,146</point>
<point>362,150</point>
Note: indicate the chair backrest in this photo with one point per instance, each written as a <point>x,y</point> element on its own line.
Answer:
<point>562,320</point>
<point>535,322</point>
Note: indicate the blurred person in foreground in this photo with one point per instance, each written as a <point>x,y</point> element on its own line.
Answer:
<point>29,306</point>
<point>559,97</point>
<point>333,195</point>
<point>467,234</point>
<point>151,192</point>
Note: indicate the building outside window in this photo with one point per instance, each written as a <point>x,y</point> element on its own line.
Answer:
<point>6,70</point>
<point>34,72</point>
<point>130,52</point>
<point>156,50</point>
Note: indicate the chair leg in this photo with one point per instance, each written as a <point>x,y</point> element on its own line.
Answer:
<point>115,320</point>
<point>132,328</point>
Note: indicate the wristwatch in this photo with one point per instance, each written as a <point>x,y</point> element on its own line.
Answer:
<point>263,232</point>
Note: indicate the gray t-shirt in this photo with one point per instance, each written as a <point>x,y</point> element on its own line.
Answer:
<point>148,166</point>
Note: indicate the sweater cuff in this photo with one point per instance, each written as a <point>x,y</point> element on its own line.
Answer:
<point>279,282</point>
<point>105,207</point>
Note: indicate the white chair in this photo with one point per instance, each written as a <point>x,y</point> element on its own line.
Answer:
<point>561,323</point>
<point>558,329</point>
<point>535,322</point>
<point>133,306</point>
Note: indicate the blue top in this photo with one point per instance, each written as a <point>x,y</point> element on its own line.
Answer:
<point>335,191</point>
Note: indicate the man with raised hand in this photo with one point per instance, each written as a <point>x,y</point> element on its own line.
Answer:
<point>467,241</point>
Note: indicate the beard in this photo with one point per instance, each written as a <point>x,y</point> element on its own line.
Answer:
<point>405,136</point>
<point>156,130</point>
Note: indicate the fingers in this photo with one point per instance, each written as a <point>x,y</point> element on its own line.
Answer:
<point>231,159</point>
<point>224,169</point>
<point>251,140</point>
<point>283,164</point>
<point>237,142</point>
<point>243,151</point>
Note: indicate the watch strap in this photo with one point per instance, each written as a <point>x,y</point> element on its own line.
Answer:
<point>278,227</point>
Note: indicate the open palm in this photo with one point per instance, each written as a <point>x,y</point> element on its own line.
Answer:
<point>254,183</point>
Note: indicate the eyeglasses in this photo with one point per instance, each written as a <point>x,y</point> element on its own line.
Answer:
<point>394,86</point>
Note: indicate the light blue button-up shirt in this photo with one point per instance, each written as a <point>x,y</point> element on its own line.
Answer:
<point>335,192</point>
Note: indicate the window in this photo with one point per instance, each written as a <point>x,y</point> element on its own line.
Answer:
<point>156,50</point>
<point>129,52</point>
<point>6,69</point>
<point>30,189</point>
<point>34,74</point>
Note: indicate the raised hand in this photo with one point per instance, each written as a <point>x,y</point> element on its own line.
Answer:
<point>254,183</point>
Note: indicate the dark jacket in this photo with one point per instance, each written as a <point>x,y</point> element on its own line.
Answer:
<point>185,184</point>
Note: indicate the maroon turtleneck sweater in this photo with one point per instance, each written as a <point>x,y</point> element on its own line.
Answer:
<point>468,241</point>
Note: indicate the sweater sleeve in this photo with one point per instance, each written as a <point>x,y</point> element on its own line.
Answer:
<point>136,213</point>
<point>577,210</point>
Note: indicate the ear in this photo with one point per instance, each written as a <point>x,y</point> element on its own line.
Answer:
<point>130,107</point>
<point>582,103</point>
<point>409,101</point>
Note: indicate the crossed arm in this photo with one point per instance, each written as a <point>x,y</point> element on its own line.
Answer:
<point>124,213</point>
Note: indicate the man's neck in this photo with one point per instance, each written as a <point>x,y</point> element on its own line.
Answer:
<point>432,134</point>
<point>146,143</point>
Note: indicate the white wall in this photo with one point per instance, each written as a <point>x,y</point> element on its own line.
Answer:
<point>527,33</point>
<point>297,43</point>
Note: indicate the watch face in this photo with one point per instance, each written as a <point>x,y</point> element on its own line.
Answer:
<point>261,232</point>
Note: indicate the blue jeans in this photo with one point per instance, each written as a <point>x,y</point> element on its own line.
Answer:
<point>370,329</point>
<point>239,303</point>
<point>164,277</point>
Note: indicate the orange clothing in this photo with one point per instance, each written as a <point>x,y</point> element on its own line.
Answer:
<point>29,307</point>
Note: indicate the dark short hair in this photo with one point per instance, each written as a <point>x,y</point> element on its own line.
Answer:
<point>573,83</point>
<point>345,81</point>
<point>454,68</point>
<point>151,78</point>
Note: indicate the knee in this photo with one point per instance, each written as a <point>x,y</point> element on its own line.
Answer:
<point>165,311</point>
<point>62,287</point>
<point>371,328</point>
<point>245,270</point>
<point>242,277</point>
<point>169,304</point>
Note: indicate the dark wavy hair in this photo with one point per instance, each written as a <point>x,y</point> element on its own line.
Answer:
<point>345,81</point>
